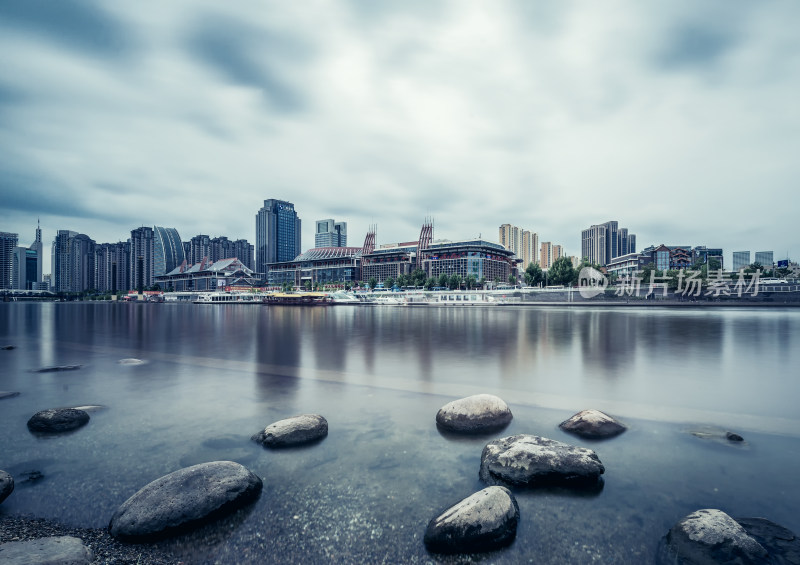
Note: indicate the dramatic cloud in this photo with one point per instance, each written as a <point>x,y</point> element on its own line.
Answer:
<point>680,121</point>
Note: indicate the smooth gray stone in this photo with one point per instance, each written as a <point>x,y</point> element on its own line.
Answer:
<point>782,545</point>
<point>530,460</point>
<point>592,424</point>
<point>58,368</point>
<point>293,431</point>
<point>56,550</point>
<point>131,361</point>
<point>710,536</point>
<point>183,500</point>
<point>8,394</point>
<point>484,521</point>
<point>6,485</point>
<point>8,347</point>
<point>57,420</point>
<point>474,414</point>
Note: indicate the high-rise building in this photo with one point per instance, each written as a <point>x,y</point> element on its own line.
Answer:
<point>200,248</point>
<point>243,251</point>
<point>8,243</point>
<point>330,234</point>
<point>167,249</point>
<point>277,234</point>
<point>142,254</point>
<point>27,267</point>
<point>765,258</point>
<point>603,242</point>
<point>112,264</point>
<point>741,260</point>
<point>530,248</point>
<point>549,254</point>
<point>73,262</point>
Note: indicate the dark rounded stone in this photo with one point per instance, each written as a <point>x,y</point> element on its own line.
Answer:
<point>6,485</point>
<point>293,431</point>
<point>592,424</point>
<point>529,460</point>
<point>58,420</point>
<point>484,521</point>
<point>183,500</point>
<point>730,436</point>
<point>474,414</point>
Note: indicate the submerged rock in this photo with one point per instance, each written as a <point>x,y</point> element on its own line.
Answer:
<point>184,500</point>
<point>58,368</point>
<point>710,536</point>
<point>483,521</point>
<point>293,431</point>
<point>535,461</point>
<point>718,435</point>
<point>474,414</point>
<point>8,394</point>
<point>6,485</point>
<point>57,420</point>
<point>592,424</point>
<point>56,550</point>
<point>7,347</point>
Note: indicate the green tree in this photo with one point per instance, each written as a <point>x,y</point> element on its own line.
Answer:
<point>482,282</point>
<point>388,283</point>
<point>444,280</point>
<point>561,272</point>
<point>454,282</point>
<point>373,282</point>
<point>471,281</point>
<point>307,285</point>
<point>429,283</point>
<point>402,280</point>
<point>533,274</point>
<point>419,277</point>
<point>512,280</point>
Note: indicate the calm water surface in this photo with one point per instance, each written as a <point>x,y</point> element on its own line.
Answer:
<point>217,374</point>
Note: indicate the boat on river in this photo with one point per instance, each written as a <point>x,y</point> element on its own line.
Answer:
<point>229,298</point>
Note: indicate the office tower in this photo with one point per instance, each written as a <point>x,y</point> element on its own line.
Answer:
<point>73,262</point>
<point>277,234</point>
<point>27,265</point>
<point>243,251</point>
<point>112,264</point>
<point>167,250</point>
<point>330,234</point>
<point>142,252</point>
<point>200,249</point>
<point>764,258</point>
<point>8,243</point>
<point>741,260</point>
<point>603,242</point>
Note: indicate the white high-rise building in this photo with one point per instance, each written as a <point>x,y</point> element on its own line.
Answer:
<point>330,233</point>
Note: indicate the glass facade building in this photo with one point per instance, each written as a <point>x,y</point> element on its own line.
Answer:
<point>167,250</point>
<point>277,234</point>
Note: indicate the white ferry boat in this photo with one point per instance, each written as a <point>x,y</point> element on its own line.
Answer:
<point>229,298</point>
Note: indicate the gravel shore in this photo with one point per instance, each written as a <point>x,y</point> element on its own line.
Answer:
<point>107,550</point>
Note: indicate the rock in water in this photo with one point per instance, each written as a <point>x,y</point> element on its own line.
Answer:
<point>483,521</point>
<point>131,361</point>
<point>56,550</point>
<point>711,536</point>
<point>57,420</point>
<point>7,347</point>
<point>530,460</point>
<point>58,368</point>
<point>474,414</point>
<point>8,393</point>
<point>592,424</point>
<point>6,485</point>
<point>293,431</point>
<point>184,500</point>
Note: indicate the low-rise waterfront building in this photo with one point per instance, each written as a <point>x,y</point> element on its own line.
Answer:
<point>323,265</point>
<point>482,259</point>
<point>207,276</point>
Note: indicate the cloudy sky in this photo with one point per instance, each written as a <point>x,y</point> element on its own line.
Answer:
<point>679,119</point>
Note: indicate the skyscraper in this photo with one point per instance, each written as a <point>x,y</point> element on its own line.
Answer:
<point>277,234</point>
<point>765,258</point>
<point>330,234</point>
<point>200,246</point>
<point>524,243</point>
<point>603,242</point>
<point>142,251</point>
<point>243,250</point>
<point>73,262</point>
<point>549,253</point>
<point>8,243</point>
<point>112,262</point>
<point>741,260</point>
<point>167,249</point>
<point>530,248</point>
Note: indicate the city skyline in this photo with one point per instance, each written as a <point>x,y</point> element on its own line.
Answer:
<point>677,120</point>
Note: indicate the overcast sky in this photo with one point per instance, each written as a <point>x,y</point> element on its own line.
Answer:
<point>679,119</point>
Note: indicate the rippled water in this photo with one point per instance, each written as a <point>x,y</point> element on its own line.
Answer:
<point>215,374</point>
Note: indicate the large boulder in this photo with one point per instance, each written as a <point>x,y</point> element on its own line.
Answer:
<point>592,424</point>
<point>474,414</point>
<point>483,521</point>
<point>56,550</point>
<point>710,536</point>
<point>57,420</point>
<point>6,485</point>
<point>529,460</point>
<point>293,431</point>
<point>183,500</point>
